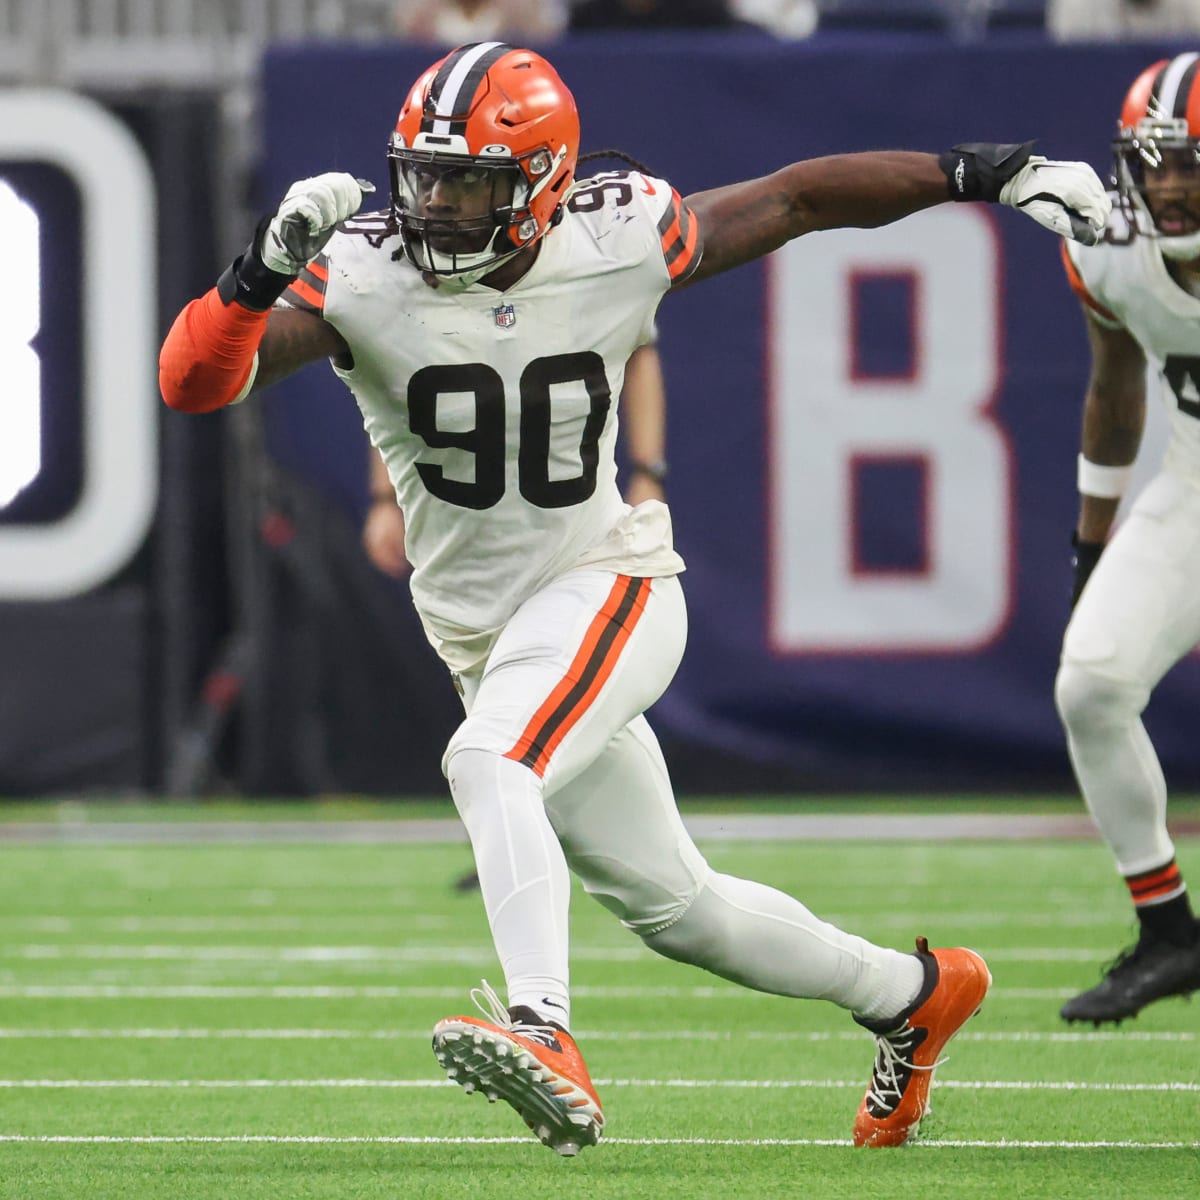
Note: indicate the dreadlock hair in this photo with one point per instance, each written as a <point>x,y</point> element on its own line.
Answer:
<point>620,155</point>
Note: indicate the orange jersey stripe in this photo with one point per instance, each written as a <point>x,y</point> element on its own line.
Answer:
<point>679,233</point>
<point>590,669</point>
<point>1080,288</point>
<point>306,295</point>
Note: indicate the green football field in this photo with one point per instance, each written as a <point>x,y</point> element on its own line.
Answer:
<point>184,1017</point>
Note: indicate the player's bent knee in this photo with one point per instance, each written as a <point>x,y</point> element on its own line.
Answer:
<point>1088,701</point>
<point>479,776</point>
<point>642,904</point>
<point>473,736</point>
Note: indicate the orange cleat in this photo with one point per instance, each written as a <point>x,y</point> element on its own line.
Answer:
<point>514,1055</point>
<point>897,1098</point>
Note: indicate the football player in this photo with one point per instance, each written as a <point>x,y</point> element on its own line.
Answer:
<point>1137,598</point>
<point>483,321</point>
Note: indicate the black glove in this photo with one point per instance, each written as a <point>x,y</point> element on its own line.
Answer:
<point>979,170</point>
<point>1084,557</point>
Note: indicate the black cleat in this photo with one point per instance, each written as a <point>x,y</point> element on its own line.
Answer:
<point>1151,970</point>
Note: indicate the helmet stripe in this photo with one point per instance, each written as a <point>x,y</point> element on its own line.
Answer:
<point>454,87</point>
<point>1185,104</point>
<point>1173,86</point>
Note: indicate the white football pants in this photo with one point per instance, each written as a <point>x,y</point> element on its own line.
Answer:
<point>555,769</point>
<point>1139,614</point>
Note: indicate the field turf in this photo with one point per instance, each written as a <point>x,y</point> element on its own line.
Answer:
<point>247,1020</point>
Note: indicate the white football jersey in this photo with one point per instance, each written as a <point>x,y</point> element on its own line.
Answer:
<point>1125,284</point>
<point>496,412</point>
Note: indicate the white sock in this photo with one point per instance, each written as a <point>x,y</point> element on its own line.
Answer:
<point>522,874</point>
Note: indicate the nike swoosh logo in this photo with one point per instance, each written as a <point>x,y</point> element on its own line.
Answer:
<point>551,1004</point>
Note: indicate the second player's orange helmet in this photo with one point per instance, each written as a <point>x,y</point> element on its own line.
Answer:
<point>496,120</point>
<point>1160,127</point>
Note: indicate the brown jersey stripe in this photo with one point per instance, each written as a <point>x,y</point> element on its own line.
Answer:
<point>301,294</point>
<point>1081,289</point>
<point>602,645</point>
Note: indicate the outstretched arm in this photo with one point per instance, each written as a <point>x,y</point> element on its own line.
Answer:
<point>747,220</point>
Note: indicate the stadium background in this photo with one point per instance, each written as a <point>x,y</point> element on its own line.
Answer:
<point>885,422</point>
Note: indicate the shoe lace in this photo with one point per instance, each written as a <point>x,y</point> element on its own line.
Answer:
<point>489,1003</point>
<point>894,1067</point>
<point>1128,958</point>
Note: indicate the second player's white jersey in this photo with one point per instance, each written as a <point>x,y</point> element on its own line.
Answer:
<point>1125,284</point>
<point>496,412</point>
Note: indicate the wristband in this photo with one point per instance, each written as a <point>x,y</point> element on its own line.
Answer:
<point>979,170</point>
<point>1105,483</point>
<point>656,470</point>
<point>249,281</point>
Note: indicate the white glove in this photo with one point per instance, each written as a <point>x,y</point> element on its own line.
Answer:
<point>307,217</point>
<point>1066,197</point>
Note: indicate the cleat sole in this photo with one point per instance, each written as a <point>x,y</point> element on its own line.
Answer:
<point>559,1114</point>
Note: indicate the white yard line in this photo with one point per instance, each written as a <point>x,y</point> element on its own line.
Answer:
<point>972,1085</point>
<point>163,1033</point>
<point>397,1140</point>
<point>468,955</point>
<point>88,991</point>
<point>732,827</point>
<point>393,918</point>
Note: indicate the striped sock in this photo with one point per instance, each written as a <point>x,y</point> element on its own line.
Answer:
<point>1156,886</point>
<point>1161,901</point>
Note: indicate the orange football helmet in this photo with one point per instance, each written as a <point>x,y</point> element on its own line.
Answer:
<point>482,157</point>
<point>1158,140</point>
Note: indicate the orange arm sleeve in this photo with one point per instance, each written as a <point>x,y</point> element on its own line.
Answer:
<point>207,356</point>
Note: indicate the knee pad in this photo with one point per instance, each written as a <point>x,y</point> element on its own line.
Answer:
<point>1089,702</point>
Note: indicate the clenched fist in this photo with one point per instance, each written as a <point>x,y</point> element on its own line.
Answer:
<point>306,218</point>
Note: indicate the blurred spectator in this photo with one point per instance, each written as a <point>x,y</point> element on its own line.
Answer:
<point>455,22</point>
<point>784,18</point>
<point>1075,20</point>
<point>652,14</point>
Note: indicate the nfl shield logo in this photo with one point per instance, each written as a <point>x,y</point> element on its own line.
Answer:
<point>506,315</point>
